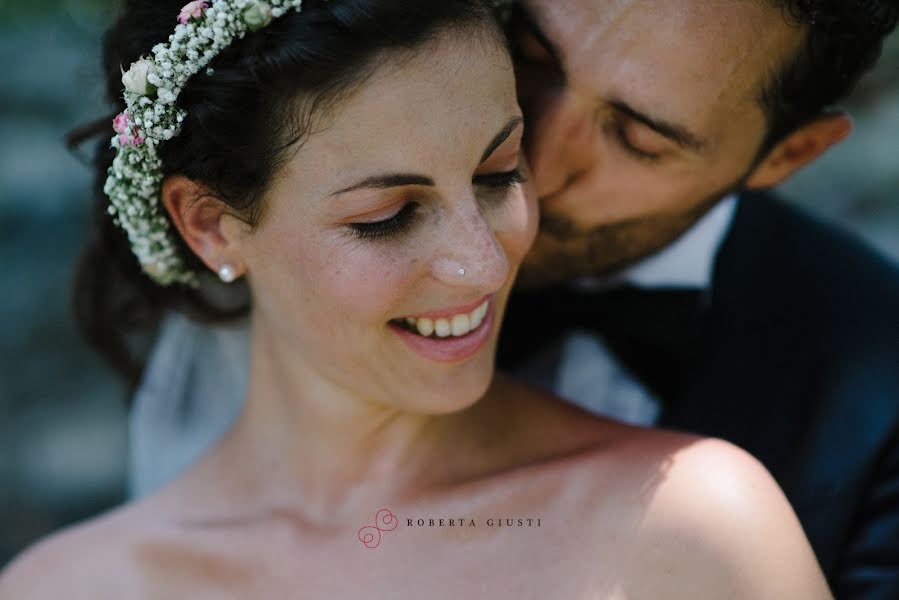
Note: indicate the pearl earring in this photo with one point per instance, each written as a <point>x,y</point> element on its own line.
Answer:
<point>227,274</point>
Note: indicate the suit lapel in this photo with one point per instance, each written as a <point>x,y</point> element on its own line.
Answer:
<point>737,391</point>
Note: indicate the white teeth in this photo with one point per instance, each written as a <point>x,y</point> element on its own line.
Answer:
<point>477,317</point>
<point>482,311</point>
<point>457,325</point>
<point>461,325</point>
<point>442,328</point>
<point>425,326</point>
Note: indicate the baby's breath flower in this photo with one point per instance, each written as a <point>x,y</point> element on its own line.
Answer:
<point>152,85</point>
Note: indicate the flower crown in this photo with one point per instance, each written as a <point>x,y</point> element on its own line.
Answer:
<point>152,85</point>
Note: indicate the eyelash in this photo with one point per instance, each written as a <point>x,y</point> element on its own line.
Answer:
<point>395,225</point>
<point>501,181</point>
<point>403,220</point>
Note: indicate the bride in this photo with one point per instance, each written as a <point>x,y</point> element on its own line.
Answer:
<point>358,163</point>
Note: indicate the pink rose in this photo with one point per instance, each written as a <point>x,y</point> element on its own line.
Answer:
<point>120,123</point>
<point>134,140</point>
<point>192,10</point>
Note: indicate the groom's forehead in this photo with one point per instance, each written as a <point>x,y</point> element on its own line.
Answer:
<point>689,52</point>
<point>715,16</point>
<point>750,34</point>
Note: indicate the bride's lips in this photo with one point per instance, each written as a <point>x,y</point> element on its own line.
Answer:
<point>456,310</point>
<point>451,348</point>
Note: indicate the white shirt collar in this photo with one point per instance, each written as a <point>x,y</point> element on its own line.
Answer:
<point>688,262</point>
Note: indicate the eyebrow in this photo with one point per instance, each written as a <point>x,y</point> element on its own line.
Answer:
<point>679,134</point>
<point>383,182</point>
<point>392,180</point>
<point>502,136</point>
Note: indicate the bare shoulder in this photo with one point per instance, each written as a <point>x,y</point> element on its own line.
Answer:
<point>688,516</point>
<point>106,557</point>
<point>718,525</point>
<point>704,519</point>
<point>90,560</point>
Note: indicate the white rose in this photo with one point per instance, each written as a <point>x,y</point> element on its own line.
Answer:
<point>135,79</point>
<point>257,15</point>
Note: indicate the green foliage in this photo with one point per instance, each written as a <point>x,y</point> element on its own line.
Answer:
<point>79,12</point>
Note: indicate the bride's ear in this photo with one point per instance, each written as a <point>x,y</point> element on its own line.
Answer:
<point>209,227</point>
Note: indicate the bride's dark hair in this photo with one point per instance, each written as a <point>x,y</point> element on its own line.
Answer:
<point>242,122</point>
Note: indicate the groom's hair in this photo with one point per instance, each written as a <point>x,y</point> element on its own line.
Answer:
<point>843,40</point>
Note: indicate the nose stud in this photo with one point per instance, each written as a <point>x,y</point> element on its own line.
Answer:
<point>461,272</point>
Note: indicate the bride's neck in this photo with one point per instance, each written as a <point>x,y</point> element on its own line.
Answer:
<point>305,440</point>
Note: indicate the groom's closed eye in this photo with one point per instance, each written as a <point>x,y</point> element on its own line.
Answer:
<point>637,139</point>
<point>646,137</point>
<point>641,135</point>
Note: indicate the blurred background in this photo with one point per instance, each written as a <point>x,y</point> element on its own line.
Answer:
<point>63,432</point>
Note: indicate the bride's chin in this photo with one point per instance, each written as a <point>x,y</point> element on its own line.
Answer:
<point>454,394</point>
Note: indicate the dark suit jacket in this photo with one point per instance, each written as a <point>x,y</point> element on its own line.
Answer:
<point>796,360</point>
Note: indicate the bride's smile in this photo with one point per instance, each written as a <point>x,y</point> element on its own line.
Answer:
<point>390,241</point>
<point>445,323</point>
<point>449,335</point>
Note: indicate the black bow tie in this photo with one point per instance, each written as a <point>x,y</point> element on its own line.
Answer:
<point>656,334</point>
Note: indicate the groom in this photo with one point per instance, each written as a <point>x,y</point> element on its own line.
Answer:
<point>685,295</point>
<point>665,286</point>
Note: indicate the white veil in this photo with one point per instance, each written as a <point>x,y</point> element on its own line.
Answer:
<point>191,392</point>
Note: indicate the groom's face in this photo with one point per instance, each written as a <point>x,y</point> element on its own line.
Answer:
<point>640,115</point>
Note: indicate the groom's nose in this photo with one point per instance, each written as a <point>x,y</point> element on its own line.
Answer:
<point>561,143</point>
<point>470,254</point>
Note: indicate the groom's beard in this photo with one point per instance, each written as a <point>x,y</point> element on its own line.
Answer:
<point>564,252</point>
